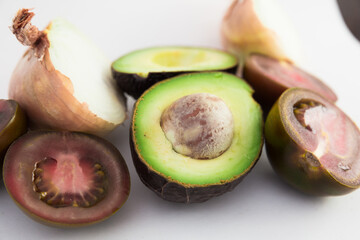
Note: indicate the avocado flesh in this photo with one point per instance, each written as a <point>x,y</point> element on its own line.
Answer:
<point>139,70</point>
<point>156,151</point>
<point>173,59</point>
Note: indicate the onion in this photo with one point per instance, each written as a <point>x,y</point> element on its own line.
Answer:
<point>63,81</point>
<point>259,26</point>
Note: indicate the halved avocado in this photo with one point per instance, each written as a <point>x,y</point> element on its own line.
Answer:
<point>137,71</point>
<point>271,77</point>
<point>179,178</point>
<point>312,144</point>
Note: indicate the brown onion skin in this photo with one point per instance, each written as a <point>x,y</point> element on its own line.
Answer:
<point>288,161</point>
<point>46,96</point>
<point>242,33</point>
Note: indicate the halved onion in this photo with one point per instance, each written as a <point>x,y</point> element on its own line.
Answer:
<point>63,81</point>
<point>259,26</point>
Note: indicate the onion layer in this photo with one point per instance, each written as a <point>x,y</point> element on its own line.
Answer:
<point>259,26</point>
<point>63,80</point>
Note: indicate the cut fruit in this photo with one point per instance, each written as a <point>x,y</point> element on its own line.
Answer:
<point>138,70</point>
<point>180,178</point>
<point>312,144</point>
<point>12,124</point>
<point>63,81</point>
<point>66,178</point>
<point>270,77</point>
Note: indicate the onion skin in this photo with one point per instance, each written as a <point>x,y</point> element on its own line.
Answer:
<point>243,33</point>
<point>45,94</point>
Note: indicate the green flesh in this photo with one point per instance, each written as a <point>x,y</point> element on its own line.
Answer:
<point>156,151</point>
<point>173,59</point>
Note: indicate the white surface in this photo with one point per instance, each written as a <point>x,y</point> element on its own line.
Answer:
<point>262,206</point>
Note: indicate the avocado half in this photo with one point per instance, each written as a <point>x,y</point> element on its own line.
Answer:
<point>137,71</point>
<point>178,178</point>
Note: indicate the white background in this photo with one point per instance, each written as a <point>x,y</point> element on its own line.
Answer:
<point>262,206</point>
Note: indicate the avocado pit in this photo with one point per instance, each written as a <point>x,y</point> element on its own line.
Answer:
<point>198,125</point>
<point>185,104</point>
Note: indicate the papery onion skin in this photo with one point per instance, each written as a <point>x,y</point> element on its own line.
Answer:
<point>46,95</point>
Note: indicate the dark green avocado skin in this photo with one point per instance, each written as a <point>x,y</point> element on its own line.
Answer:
<point>135,85</point>
<point>175,192</point>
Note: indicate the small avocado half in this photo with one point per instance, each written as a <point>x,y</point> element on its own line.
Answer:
<point>137,71</point>
<point>179,178</point>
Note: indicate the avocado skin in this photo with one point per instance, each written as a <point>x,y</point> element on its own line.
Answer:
<point>135,85</point>
<point>287,159</point>
<point>175,192</point>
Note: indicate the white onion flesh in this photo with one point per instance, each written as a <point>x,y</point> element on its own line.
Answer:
<point>272,16</point>
<point>76,57</point>
<point>260,26</point>
<point>63,81</point>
